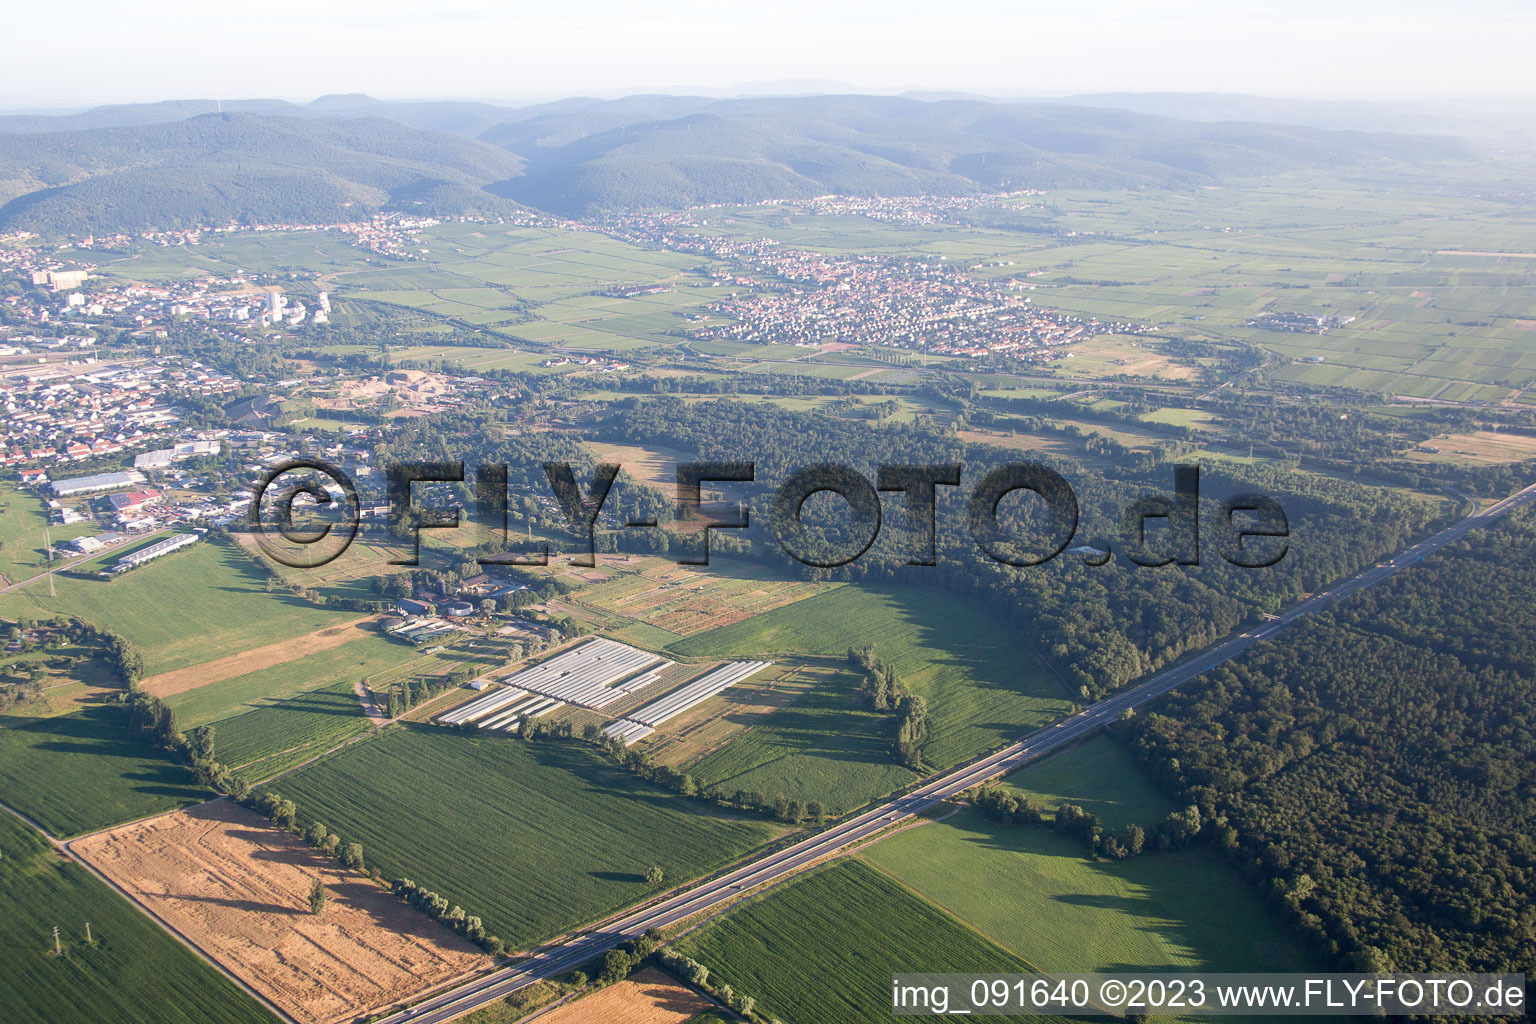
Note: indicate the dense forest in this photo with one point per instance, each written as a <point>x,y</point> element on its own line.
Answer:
<point>1373,769</point>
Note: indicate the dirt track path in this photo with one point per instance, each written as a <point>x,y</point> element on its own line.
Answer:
<point>183,679</point>
<point>371,709</point>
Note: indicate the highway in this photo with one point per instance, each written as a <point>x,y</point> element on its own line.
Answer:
<point>780,863</point>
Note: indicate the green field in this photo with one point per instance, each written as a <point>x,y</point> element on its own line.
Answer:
<point>983,684</point>
<point>186,608</point>
<point>536,838</point>
<point>290,730</point>
<point>539,287</point>
<point>824,947</point>
<point>1034,892</point>
<point>1099,776</point>
<point>131,971</point>
<point>82,771</point>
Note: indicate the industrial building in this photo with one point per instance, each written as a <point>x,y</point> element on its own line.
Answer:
<point>133,501</point>
<point>95,482</point>
<point>162,457</point>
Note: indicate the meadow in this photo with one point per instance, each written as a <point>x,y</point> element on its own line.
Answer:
<point>535,837</point>
<point>79,770</point>
<point>821,744</point>
<point>130,964</point>
<point>193,606</point>
<point>684,600</point>
<point>1034,892</point>
<point>984,685</point>
<point>226,254</point>
<point>24,531</point>
<point>824,946</point>
<point>283,715</point>
<point>1099,776</point>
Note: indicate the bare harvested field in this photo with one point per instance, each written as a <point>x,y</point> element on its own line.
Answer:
<point>647,997</point>
<point>1478,447</point>
<point>239,890</point>
<point>190,678</point>
<point>1109,354</point>
<point>655,465</point>
<point>685,601</point>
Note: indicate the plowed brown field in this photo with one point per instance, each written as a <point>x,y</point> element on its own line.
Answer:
<point>647,997</point>
<point>238,889</point>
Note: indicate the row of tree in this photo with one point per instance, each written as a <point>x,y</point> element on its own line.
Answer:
<point>284,813</point>
<point>641,761</point>
<point>881,689</point>
<point>1177,830</point>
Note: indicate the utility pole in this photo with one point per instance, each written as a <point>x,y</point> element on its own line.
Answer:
<point>88,940</point>
<point>57,949</point>
<point>48,543</point>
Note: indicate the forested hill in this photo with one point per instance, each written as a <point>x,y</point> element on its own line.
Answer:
<point>671,151</point>
<point>1372,770</point>
<point>247,168</point>
<point>169,165</point>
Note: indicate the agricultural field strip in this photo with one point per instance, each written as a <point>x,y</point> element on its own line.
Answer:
<point>584,676</point>
<point>639,724</point>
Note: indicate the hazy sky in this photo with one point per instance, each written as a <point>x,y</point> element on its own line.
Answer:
<point>93,51</point>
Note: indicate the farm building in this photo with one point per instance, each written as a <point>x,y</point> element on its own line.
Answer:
<point>137,558</point>
<point>420,631</point>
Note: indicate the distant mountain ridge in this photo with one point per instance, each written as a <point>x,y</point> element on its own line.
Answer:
<point>236,167</point>
<point>118,168</point>
<point>1496,119</point>
<point>669,151</point>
